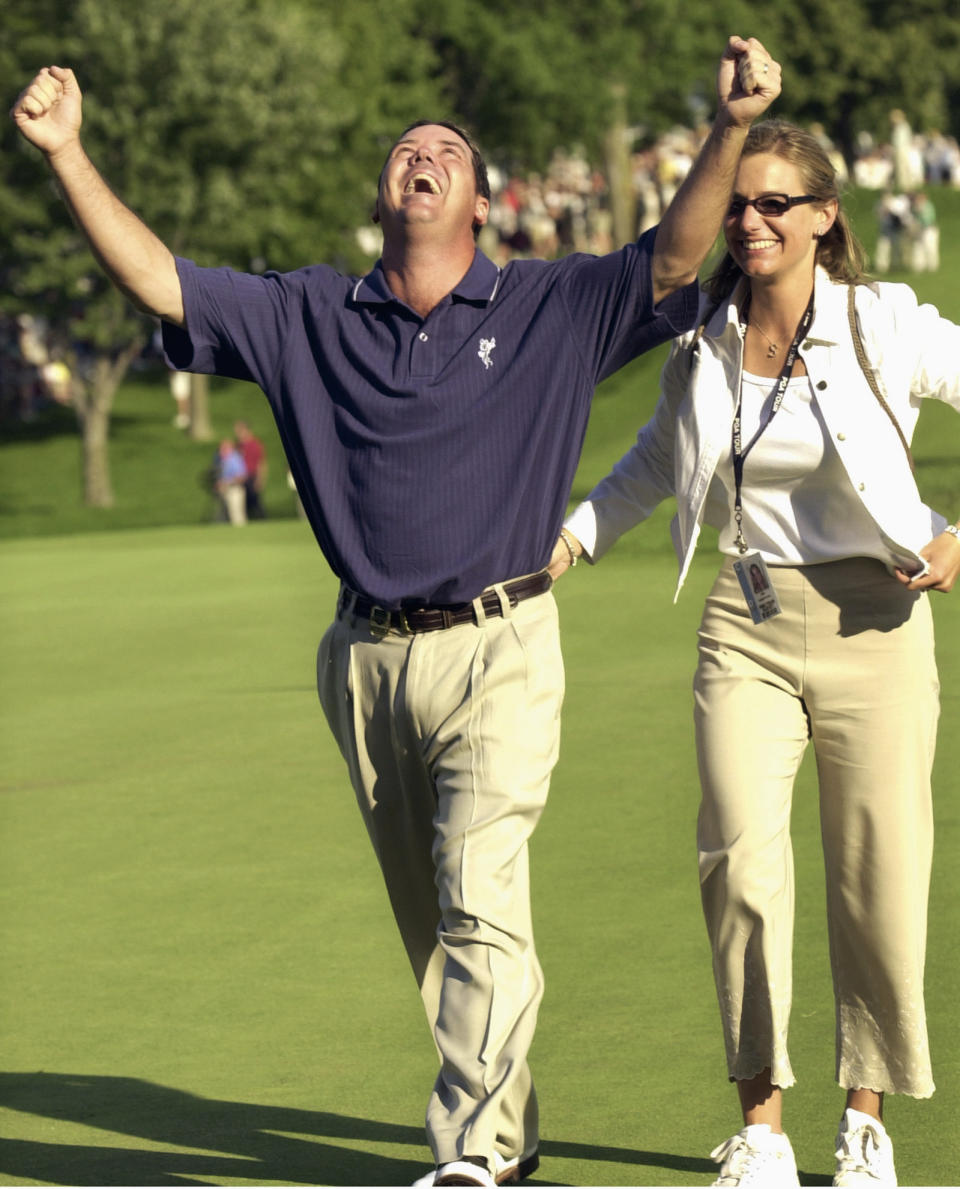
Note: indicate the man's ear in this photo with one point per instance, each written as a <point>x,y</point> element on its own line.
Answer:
<point>481,211</point>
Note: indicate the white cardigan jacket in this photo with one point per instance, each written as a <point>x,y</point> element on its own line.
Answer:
<point>914,354</point>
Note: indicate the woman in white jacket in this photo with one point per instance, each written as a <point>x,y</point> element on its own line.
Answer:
<point>784,422</point>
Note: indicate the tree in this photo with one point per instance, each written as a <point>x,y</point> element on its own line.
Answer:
<point>242,132</point>
<point>251,132</point>
<point>847,64</point>
<point>531,76</point>
<point>598,73</point>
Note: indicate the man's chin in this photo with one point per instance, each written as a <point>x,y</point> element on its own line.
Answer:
<point>411,208</point>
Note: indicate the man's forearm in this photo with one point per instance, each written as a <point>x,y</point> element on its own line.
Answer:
<point>690,225</point>
<point>135,260</point>
<point>748,81</point>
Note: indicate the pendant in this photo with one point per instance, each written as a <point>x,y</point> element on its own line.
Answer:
<point>772,350</point>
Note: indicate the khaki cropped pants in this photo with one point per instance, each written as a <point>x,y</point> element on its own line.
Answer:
<point>450,737</point>
<point>850,665</point>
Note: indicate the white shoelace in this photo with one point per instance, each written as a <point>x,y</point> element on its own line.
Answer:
<point>737,1159</point>
<point>859,1150</point>
<point>756,1156</point>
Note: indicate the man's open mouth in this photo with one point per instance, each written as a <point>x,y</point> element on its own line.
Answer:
<point>422,183</point>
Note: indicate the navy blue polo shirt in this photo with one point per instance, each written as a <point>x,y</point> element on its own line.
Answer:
<point>434,456</point>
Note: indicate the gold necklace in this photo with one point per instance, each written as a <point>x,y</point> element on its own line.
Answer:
<point>774,347</point>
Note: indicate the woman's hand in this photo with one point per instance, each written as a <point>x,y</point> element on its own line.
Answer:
<point>942,556</point>
<point>565,554</point>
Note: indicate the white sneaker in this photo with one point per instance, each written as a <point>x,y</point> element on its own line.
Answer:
<point>757,1156</point>
<point>506,1172</point>
<point>464,1172</point>
<point>864,1153</point>
<point>511,1172</point>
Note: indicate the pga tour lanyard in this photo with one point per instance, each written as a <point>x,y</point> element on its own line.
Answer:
<point>739,453</point>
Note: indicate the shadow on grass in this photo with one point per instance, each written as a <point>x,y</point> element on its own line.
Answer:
<point>222,1140</point>
<point>51,421</point>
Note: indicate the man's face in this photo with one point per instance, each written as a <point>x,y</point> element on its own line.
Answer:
<point>428,179</point>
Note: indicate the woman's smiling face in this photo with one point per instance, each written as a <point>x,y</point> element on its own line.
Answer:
<point>774,246</point>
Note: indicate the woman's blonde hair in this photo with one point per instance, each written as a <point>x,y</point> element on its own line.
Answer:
<point>838,250</point>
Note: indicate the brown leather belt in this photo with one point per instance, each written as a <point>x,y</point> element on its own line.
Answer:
<point>432,619</point>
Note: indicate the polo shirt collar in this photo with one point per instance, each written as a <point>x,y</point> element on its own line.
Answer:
<point>479,283</point>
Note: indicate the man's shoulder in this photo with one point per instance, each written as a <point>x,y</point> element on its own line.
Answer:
<point>315,279</point>
<point>319,279</point>
<point>534,271</point>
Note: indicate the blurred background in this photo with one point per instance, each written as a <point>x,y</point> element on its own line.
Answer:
<point>251,133</point>
<point>200,980</point>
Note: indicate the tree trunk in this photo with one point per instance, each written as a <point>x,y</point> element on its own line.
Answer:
<point>200,428</point>
<point>95,431</point>
<point>617,145</point>
<point>94,404</point>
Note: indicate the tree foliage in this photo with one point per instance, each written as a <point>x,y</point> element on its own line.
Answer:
<point>528,77</point>
<point>251,132</point>
<point>531,76</point>
<point>846,65</point>
<point>242,132</point>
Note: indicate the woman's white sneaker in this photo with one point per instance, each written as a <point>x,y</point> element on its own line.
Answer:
<point>757,1156</point>
<point>864,1153</point>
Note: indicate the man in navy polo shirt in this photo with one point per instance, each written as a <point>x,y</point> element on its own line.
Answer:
<point>432,414</point>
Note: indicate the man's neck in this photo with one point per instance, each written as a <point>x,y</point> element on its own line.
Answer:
<point>421,276</point>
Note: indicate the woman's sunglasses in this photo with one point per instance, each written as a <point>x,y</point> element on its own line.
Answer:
<point>768,205</point>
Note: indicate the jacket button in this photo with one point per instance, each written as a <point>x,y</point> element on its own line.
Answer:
<point>862,487</point>
<point>841,437</point>
<point>821,384</point>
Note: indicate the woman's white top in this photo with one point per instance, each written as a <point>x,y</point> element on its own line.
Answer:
<point>829,477</point>
<point>797,505</point>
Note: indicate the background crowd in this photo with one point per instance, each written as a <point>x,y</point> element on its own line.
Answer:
<point>566,209</point>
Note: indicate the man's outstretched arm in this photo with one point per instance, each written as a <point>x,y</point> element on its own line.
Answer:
<point>748,81</point>
<point>48,114</point>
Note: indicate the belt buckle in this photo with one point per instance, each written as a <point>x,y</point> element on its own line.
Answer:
<point>379,621</point>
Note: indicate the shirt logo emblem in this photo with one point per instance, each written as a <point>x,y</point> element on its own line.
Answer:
<point>486,346</point>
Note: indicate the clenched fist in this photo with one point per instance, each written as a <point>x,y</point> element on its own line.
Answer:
<point>48,111</point>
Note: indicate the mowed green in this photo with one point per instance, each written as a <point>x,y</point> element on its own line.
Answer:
<point>201,981</point>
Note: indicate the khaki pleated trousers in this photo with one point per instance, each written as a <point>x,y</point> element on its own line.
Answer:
<point>450,737</point>
<point>850,666</point>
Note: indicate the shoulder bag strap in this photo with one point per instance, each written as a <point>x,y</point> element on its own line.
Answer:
<point>868,371</point>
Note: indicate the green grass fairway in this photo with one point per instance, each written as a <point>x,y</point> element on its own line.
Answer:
<point>201,982</point>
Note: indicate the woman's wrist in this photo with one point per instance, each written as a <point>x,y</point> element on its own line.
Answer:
<point>574,548</point>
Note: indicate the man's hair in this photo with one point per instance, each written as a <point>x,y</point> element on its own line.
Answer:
<point>479,165</point>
